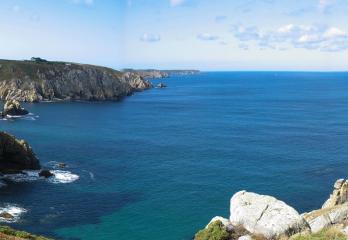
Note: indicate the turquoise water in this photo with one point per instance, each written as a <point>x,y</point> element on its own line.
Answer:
<point>160,164</point>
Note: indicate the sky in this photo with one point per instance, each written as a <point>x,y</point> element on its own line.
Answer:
<point>309,35</point>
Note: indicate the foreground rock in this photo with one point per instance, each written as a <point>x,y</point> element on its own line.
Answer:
<point>265,215</point>
<point>35,81</point>
<point>255,216</point>
<point>13,108</point>
<point>339,195</point>
<point>16,155</point>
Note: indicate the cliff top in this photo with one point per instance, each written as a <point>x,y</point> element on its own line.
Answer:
<point>29,68</point>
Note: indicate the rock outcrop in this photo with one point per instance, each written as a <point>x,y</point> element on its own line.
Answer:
<point>32,81</point>
<point>13,108</point>
<point>255,216</point>
<point>265,215</point>
<point>16,155</point>
<point>161,85</point>
<point>339,195</point>
<point>45,173</point>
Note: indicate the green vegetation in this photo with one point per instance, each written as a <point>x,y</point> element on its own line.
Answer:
<point>326,234</point>
<point>29,69</point>
<point>215,231</point>
<point>9,232</point>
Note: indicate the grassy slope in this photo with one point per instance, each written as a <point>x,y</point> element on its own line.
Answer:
<point>7,233</point>
<point>18,69</point>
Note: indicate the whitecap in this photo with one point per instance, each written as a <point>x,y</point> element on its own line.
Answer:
<point>29,116</point>
<point>14,210</point>
<point>26,176</point>
<point>59,176</point>
<point>63,177</point>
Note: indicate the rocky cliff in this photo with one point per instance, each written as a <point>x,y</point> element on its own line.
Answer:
<point>34,81</point>
<point>153,73</point>
<point>261,217</point>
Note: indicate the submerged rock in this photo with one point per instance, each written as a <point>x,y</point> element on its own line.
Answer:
<point>265,215</point>
<point>60,165</point>
<point>16,155</point>
<point>45,173</point>
<point>161,85</point>
<point>6,215</point>
<point>14,108</point>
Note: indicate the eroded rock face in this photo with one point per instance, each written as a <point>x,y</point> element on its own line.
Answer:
<point>14,108</point>
<point>265,215</point>
<point>322,218</point>
<point>16,155</point>
<point>333,211</point>
<point>50,81</point>
<point>339,195</point>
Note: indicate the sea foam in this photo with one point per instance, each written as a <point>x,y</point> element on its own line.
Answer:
<point>28,176</point>
<point>14,210</point>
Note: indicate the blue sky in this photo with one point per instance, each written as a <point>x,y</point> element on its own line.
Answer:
<point>167,34</point>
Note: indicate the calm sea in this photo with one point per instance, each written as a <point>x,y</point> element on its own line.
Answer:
<point>160,164</point>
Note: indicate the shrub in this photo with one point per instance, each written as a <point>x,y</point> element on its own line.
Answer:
<point>326,234</point>
<point>215,231</point>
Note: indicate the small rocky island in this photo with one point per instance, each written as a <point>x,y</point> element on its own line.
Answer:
<point>16,155</point>
<point>13,108</point>
<point>261,217</point>
<point>38,80</point>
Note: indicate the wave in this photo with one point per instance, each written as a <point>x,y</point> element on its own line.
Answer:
<point>28,176</point>
<point>91,175</point>
<point>14,210</point>
<point>29,116</point>
<point>63,177</point>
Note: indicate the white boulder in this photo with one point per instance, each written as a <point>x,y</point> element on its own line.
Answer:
<point>265,215</point>
<point>245,237</point>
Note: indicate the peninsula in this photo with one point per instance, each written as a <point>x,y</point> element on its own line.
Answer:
<point>38,80</point>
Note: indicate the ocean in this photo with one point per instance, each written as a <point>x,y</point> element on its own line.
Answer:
<point>161,163</point>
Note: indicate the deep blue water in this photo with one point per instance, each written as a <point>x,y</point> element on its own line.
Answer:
<point>160,164</point>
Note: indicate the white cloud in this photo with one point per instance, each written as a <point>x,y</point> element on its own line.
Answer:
<point>148,37</point>
<point>207,37</point>
<point>321,38</point>
<point>175,3</point>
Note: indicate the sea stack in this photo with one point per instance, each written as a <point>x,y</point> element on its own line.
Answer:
<point>16,155</point>
<point>13,108</point>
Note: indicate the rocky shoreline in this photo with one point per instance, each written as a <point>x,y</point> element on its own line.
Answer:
<point>261,217</point>
<point>154,73</point>
<point>36,81</point>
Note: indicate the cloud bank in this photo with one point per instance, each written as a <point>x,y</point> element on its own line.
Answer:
<point>316,37</point>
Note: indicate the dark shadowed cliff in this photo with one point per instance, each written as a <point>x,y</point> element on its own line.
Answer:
<point>34,81</point>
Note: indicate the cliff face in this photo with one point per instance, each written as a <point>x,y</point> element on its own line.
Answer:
<point>46,81</point>
<point>153,73</point>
